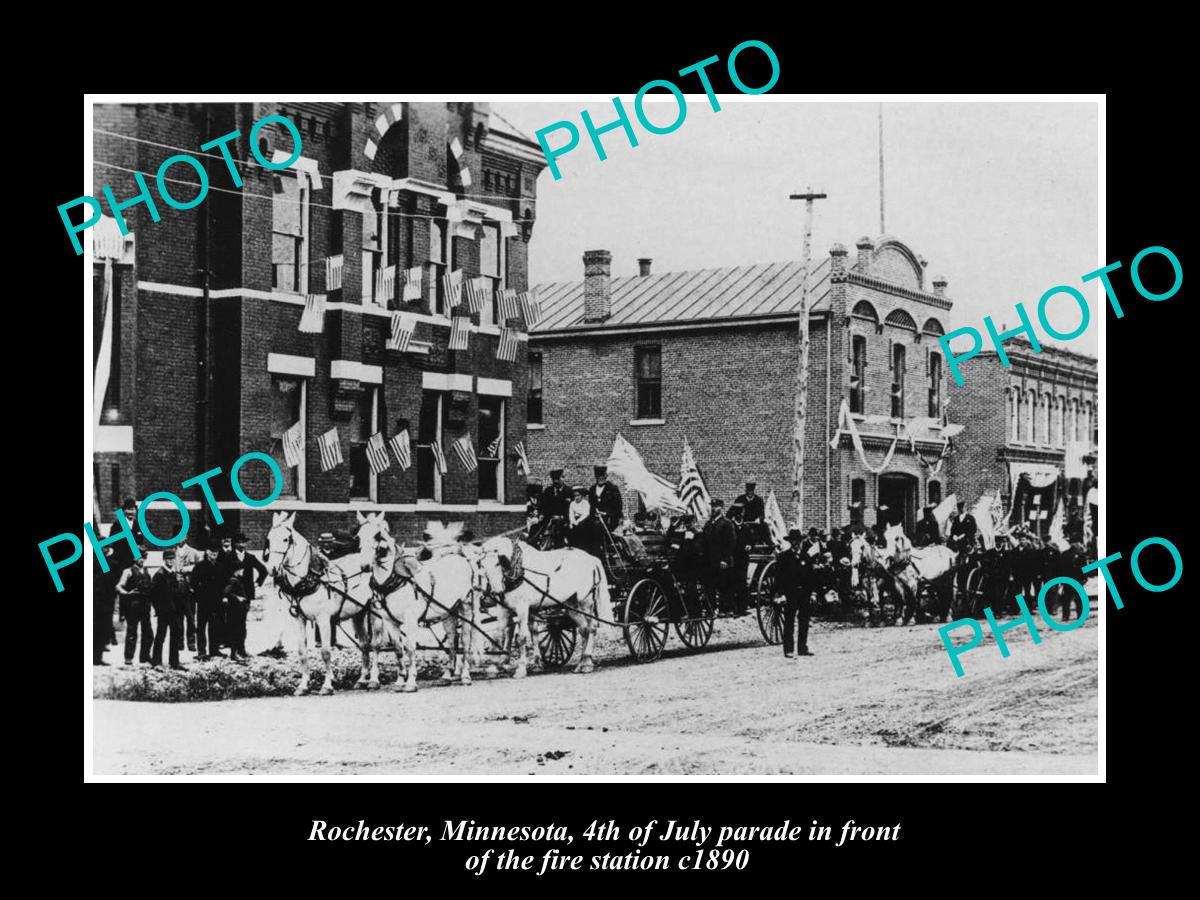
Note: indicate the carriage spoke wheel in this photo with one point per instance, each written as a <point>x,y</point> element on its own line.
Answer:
<point>646,620</point>
<point>556,641</point>
<point>698,630</point>
<point>770,613</point>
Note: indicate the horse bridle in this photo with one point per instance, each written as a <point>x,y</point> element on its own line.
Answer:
<point>295,601</point>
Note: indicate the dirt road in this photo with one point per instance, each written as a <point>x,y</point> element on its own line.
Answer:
<point>872,701</point>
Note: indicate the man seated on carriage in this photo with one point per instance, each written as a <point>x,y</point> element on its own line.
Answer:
<point>963,537</point>
<point>553,509</point>
<point>581,527</point>
<point>929,532</point>
<point>749,513</point>
<point>605,499</point>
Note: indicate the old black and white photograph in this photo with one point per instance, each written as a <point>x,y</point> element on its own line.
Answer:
<point>541,438</point>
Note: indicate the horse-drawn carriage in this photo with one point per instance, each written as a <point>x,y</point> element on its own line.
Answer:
<point>660,581</point>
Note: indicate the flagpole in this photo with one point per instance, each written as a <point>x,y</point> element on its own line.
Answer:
<point>801,404</point>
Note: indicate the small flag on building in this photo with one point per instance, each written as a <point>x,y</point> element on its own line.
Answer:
<point>506,303</point>
<point>293,445</point>
<point>377,456</point>
<point>507,348</point>
<point>439,458</point>
<point>312,320</point>
<point>493,449</point>
<point>460,333</point>
<point>412,283</point>
<point>522,459</point>
<point>403,326</point>
<point>692,491</point>
<point>333,272</point>
<point>385,284</point>
<point>531,310</point>
<point>474,293</point>
<point>331,450</point>
<point>465,452</point>
<point>402,449</point>
<point>452,288</point>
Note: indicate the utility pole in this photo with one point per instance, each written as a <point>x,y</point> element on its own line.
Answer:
<point>801,413</point>
<point>882,226</point>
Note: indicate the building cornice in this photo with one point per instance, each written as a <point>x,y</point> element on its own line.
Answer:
<point>885,287</point>
<point>601,330</point>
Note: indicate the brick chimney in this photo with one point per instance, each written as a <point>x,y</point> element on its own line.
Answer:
<point>837,260</point>
<point>597,286</point>
<point>644,266</point>
<point>865,245</point>
<point>939,286</point>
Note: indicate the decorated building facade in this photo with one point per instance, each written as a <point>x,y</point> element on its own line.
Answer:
<point>207,358</point>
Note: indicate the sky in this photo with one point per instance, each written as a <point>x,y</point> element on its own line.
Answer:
<point>1000,198</point>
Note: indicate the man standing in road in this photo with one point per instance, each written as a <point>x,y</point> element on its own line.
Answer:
<point>133,590</point>
<point>720,545</point>
<point>792,581</point>
<point>168,593</point>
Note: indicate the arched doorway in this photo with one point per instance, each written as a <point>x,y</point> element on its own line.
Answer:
<point>898,492</point>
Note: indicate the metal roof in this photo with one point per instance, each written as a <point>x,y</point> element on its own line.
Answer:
<point>737,292</point>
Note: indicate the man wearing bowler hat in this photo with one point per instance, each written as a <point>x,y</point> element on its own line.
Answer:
<point>553,506</point>
<point>605,499</point>
<point>792,577</point>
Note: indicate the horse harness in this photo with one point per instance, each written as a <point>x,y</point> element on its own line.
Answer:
<point>307,586</point>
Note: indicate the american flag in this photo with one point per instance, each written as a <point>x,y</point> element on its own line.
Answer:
<point>692,491</point>
<point>293,445</point>
<point>493,449</point>
<point>465,452</point>
<point>412,283</point>
<point>439,457</point>
<point>403,326</point>
<point>522,459</point>
<point>460,333</point>
<point>385,284</point>
<point>475,293</point>
<point>506,303</point>
<point>531,310</point>
<point>333,272</point>
<point>402,449</point>
<point>331,450</point>
<point>312,320</point>
<point>377,456</point>
<point>452,288</point>
<point>507,348</point>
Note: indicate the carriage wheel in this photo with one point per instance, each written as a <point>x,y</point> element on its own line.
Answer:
<point>556,641</point>
<point>696,632</point>
<point>646,620</point>
<point>770,613</point>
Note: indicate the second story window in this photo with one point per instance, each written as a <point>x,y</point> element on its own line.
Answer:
<point>491,267</point>
<point>437,263</point>
<point>533,403</point>
<point>648,374</point>
<point>935,385</point>
<point>899,361</point>
<point>289,233</point>
<point>858,375</point>
<point>375,242</point>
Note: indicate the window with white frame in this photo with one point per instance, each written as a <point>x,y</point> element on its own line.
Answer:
<point>375,246</point>
<point>364,484</point>
<point>289,233</point>
<point>429,432</point>
<point>1013,414</point>
<point>491,448</point>
<point>438,257</point>
<point>288,406</point>
<point>1027,418</point>
<point>1060,415</point>
<point>491,267</point>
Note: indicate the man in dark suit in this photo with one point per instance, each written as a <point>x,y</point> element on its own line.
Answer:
<point>240,564</point>
<point>720,545</point>
<point>553,505</point>
<point>133,591</point>
<point>749,512</point>
<point>207,583</point>
<point>168,596</point>
<point>606,499</point>
<point>928,530</point>
<point>792,580</point>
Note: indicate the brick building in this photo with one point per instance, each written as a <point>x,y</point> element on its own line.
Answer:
<point>710,355</point>
<point>208,362</point>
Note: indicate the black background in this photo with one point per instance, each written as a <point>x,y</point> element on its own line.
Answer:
<point>955,834</point>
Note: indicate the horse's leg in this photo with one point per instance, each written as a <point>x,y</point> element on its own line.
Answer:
<point>411,623</point>
<point>392,630</point>
<point>587,628</point>
<point>301,627</point>
<point>372,630</point>
<point>466,616</point>
<point>364,643</point>
<point>522,639</point>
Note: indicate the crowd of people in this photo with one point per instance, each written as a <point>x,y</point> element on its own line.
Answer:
<point>199,597</point>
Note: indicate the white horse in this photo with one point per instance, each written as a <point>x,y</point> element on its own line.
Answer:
<point>343,593</point>
<point>409,594</point>
<point>528,579</point>
<point>911,567</point>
